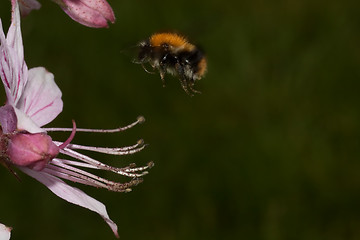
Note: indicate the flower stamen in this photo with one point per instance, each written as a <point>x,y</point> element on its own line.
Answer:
<point>113,151</point>
<point>60,169</point>
<point>139,120</point>
<point>99,165</point>
<point>74,170</point>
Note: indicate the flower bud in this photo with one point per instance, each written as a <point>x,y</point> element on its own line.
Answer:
<point>91,13</point>
<point>31,150</point>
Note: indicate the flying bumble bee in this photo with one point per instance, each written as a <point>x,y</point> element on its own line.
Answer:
<point>172,53</point>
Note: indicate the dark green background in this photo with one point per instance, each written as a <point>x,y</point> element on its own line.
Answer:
<point>270,150</point>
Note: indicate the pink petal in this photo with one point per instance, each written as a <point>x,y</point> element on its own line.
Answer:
<point>72,195</point>
<point>26,6</point>
<point>102,6</point>
<point>13,69</point>
<point>41,99</point>
<point>5,232</point>
<point>91,13</point>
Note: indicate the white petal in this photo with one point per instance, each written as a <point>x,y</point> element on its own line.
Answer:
<point>25,123</point>
<point>41,99</point>
<point>14,38</point>
<point>13,69</point>
<point>72,195</point>
<point>5,232</point>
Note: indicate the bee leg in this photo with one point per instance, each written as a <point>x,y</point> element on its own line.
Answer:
<point>162,71</point>
<point>184,82</point>
<point>191,83</point>
<point>192,89</point>
<point>186,86</point>
<point>142,65</point>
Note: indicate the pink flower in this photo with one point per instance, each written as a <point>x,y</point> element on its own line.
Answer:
<point>33,100</point>
<point>32,150</point>
<point>91,13</point>
<point>5,232</point>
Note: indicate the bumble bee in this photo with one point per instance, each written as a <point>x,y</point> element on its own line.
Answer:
<point>172,53</point>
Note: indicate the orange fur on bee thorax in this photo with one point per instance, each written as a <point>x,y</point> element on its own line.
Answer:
<point>171,39</point>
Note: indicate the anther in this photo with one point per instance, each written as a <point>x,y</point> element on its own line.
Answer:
<point>140,142</point>
<point>140,119</point>
<point>135,181</point>
<point>132,165</point>
<point>150,164</point>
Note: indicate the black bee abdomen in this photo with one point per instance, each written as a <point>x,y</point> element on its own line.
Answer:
<point>191,58</point>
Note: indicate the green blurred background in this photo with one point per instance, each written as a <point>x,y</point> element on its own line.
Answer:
<point>270,150</point>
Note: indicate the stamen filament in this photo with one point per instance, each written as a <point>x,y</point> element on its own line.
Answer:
<point>100,165</point>
<point>89,178</point>
<point>113,151</point>
<point>59,172</point>
<point>75,170</point>
<point>77,164</point>
<point>139,120</point>
<point>68,175</point>
<point>139,169</point>
<point>78,172</point>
